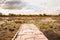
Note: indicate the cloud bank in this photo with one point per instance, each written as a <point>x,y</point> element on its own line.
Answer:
<point>12,4</point>
<point>31,6</point>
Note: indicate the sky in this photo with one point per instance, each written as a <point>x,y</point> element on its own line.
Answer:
<point>30,7</point>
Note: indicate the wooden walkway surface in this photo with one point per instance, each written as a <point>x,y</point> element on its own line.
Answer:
<point>29,32</point>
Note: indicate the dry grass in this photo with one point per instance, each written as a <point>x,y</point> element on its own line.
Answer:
<point>8,27</point>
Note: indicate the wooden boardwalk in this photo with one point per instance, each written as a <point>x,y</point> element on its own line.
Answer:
<point>29,32</point>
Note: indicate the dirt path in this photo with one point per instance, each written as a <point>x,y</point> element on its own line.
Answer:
<point>29,32</point>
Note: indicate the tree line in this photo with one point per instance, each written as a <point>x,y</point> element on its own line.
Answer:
<point>11,14</point>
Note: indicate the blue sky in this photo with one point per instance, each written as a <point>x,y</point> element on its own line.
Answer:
<point>30,7</point>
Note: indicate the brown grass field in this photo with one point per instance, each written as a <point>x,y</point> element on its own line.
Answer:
<point>50,26</point>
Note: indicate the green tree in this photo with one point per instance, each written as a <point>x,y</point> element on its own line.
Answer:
<point>0,14</point>
<point>10,14</point>
<point>40,14</point>
<point>44,14</point>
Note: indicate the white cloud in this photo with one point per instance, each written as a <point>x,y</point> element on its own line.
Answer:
<point>12,4</point>
<point>36,7</point>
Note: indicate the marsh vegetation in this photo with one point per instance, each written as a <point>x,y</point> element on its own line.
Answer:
<point>50,26</point>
